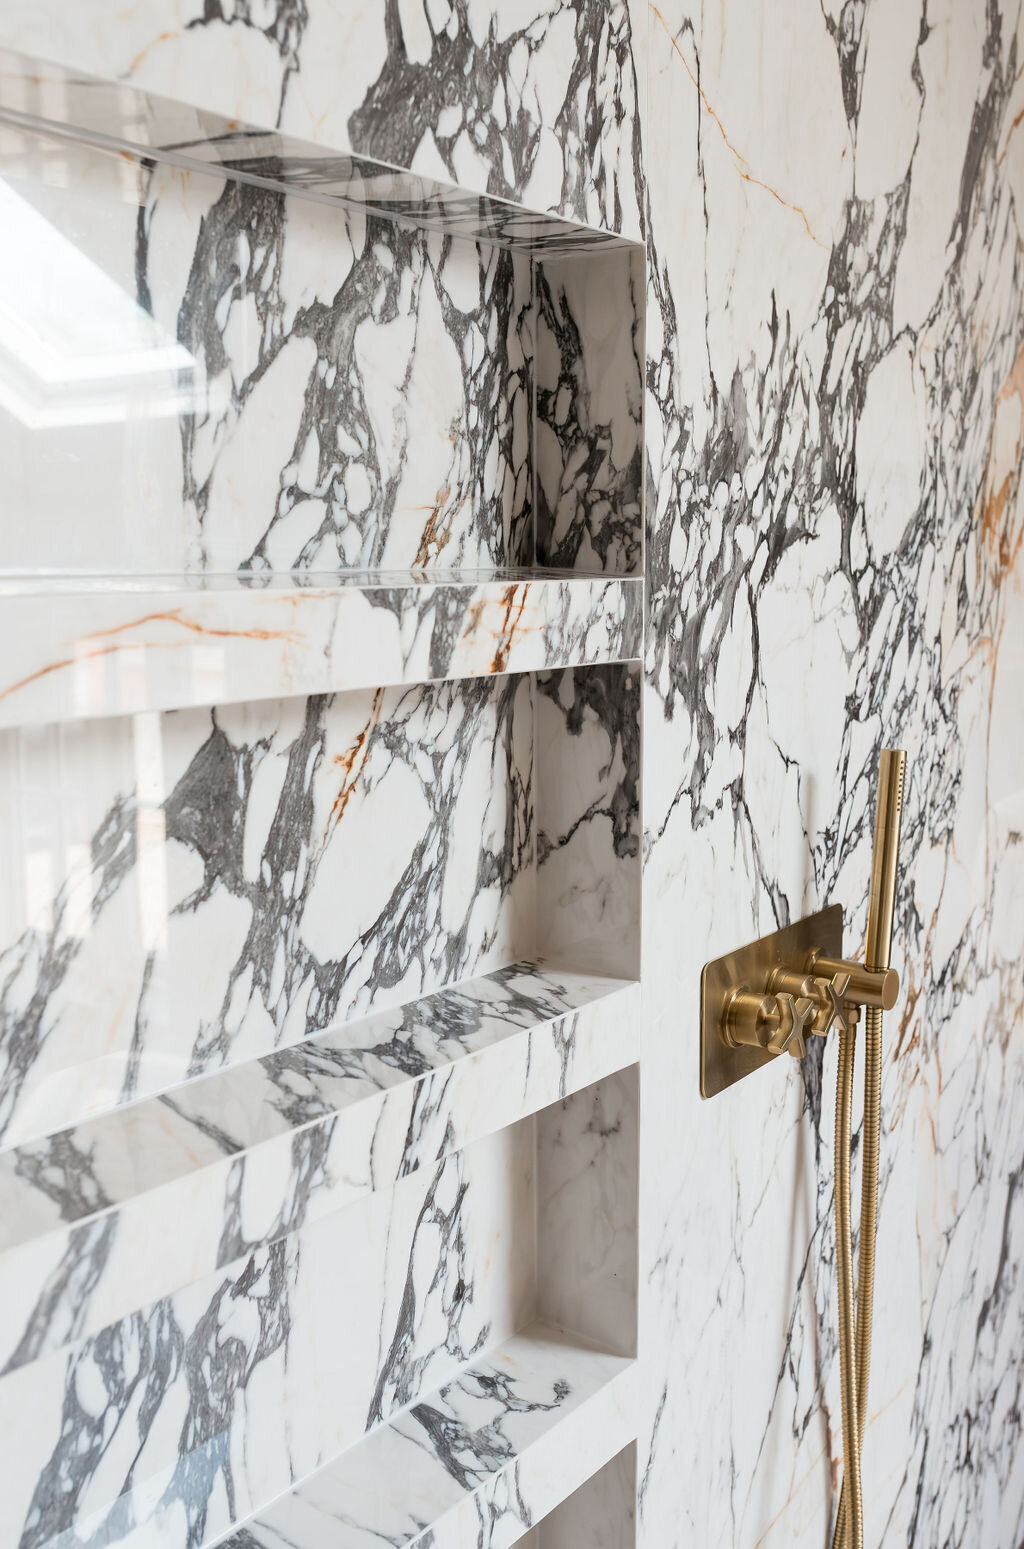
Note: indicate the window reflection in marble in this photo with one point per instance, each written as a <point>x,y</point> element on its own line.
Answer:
<point>203,886</point>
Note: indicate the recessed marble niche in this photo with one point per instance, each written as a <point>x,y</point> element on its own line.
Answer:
<point>263,1232</point>
<point>320,754</point>
<point>211,373</point>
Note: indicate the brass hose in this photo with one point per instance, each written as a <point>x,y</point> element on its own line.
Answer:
<point>849,1533</point>
<point>844,1278</point>
<point>866,1240</point>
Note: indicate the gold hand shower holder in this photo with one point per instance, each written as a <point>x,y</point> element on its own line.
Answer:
<point>765,1000</point>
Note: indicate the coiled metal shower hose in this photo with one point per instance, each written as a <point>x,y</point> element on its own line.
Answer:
<point>849,1533</point>
<point>855,1331</point>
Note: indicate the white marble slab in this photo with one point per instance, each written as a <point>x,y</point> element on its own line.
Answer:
<point>477,1463</point>
<point>88,1215</point>
<point>109,647</point>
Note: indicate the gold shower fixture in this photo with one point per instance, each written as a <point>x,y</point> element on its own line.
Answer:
<point>767,999</point>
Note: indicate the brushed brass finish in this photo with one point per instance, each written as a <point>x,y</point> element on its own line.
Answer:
<point>734,1044</point>
<point>773,1022</point>
<point>868,986</point>
<point>827,996</point>
<point>765,1000</point>
<point>769,997</point>
<point>849,1533</point>
<point>888,818</point>
<point>844,1283</point>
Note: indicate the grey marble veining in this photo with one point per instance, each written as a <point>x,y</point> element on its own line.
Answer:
<point>227,896</point>
<point>314,389</point>
<point>262,1149</point>
<point>589,413</point>
<point>126,645</point>
<point>539,109</point>
<point>833,515</point>
<point>282,387</point>
<point>833,563</point>
<point>37,95</point>
<point>588,816</point>
<point>480,1460</point>
<point>191,1413</point>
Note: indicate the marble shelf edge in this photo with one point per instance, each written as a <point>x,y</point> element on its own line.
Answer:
<point>480,1461</point>
<point>42,96</point>
<point>92,648</point>
<point>258,1150</point>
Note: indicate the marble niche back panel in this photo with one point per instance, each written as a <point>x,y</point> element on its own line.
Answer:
<point>196,888</point>
<point>601,1514</point>
<point>206,376</point>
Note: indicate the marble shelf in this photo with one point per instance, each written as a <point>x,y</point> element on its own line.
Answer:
<point>481,1460</point>
<point>89,1216</point>
<point>84,647</point>
<point>39,95</point>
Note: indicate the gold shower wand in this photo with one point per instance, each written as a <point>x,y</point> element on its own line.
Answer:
<point>888,817</point>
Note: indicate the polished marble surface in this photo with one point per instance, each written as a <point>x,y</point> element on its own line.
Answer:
<point>232,406</point>
<point>480,1461</point>
<point>187,1416</point>
<point>202,375</point>
<point>539,108</point>
<point>193,889</point>
<point>193,1413</point>
<point>835,434</point>
<point>88,647</point>
<point>830,201</point>
<point>251,1154</point>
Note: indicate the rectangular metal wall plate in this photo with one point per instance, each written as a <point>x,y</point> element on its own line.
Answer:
<point>751,965</point>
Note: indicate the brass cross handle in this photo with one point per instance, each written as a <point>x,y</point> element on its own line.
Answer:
<point>826,996</point>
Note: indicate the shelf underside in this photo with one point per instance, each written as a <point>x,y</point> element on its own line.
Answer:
<point>40,95</point>
<point>285,1140</point>
<point>97,647</point>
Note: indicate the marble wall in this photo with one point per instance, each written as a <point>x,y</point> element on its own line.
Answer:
<point>834,443</point>
<point>834,440</point>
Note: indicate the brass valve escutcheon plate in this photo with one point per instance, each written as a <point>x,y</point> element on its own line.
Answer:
<point>753,965</point>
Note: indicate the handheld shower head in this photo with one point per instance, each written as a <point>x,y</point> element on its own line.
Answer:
<point>888,820</point>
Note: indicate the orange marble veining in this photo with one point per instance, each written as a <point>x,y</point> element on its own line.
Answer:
<point>999,514</point>
<point>513,605</point>
<point>742,165</point>
<point>352,760</point>
<point>514,608</point>
<point>162,37</point>
<point>175,616</point>
<point>434,537</point>
<point>171,616</point>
